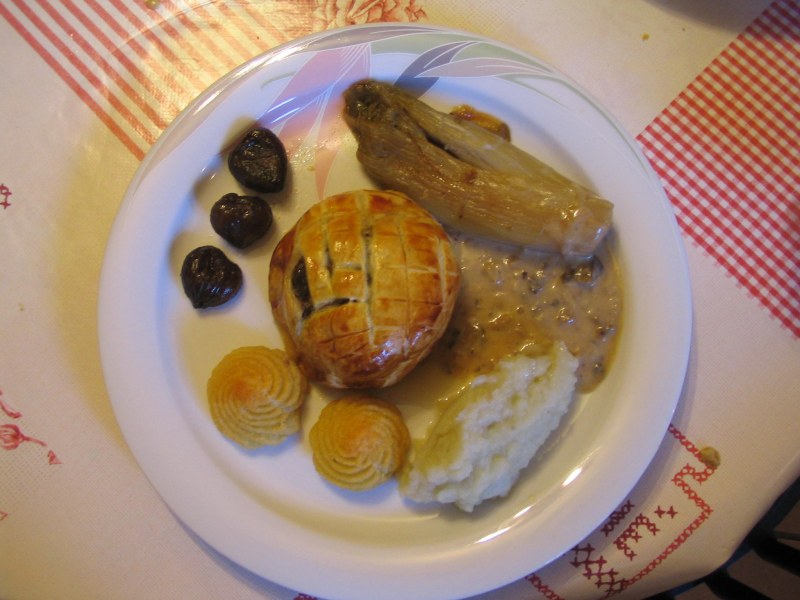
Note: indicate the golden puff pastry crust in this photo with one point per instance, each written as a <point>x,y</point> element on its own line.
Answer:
<point>255,395</point>
<point>362,287</point>
<point>359,442</point>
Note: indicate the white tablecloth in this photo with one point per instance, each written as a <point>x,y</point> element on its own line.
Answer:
<point>710,90</point>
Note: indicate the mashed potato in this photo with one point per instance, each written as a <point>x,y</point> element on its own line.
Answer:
<point>491,430</point>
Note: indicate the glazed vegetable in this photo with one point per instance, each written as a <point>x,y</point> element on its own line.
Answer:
<point>259,161</point>
<point>241,220</point>
<point>465,112</point>
<point>209,278</point>
<point>470,178</point>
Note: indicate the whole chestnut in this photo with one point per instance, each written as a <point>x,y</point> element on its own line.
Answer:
<point>241,220</point>
<point>209,278</point>
<point>259,161</point>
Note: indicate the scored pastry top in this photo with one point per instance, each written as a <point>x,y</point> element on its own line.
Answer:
<point>362,286</point>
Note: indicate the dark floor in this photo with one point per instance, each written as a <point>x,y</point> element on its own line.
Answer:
<point>763,576</point>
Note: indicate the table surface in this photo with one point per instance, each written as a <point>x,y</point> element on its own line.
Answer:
<point>711,93</point>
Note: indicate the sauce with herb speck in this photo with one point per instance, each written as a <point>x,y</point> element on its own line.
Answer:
<point>518,301</point>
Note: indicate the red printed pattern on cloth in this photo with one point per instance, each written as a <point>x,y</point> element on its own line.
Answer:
<point>11,438</point>
<point>5,194</point>
<point>674,518</point>
<point>726,150</point>
<point>137,64</point>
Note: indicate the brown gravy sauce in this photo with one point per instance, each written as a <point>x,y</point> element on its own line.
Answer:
<point>518,301</point>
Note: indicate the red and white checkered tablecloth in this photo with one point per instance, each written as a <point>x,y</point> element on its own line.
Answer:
<point>727,151</point>
<point>88,87</point>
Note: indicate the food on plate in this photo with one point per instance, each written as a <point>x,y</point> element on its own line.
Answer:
<point>523,293</point>
<point>241,220</point>
<point>209,277</point>
<point>491,430</point>
<point>470,178</point>
<point>514,300</point>
<point>255,395</point>
<point>259,161</point>
<point>362,287</point>
<point>466,112</point>
<point>359,441</point>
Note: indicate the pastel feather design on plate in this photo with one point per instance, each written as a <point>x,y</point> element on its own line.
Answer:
<point>316,118</point>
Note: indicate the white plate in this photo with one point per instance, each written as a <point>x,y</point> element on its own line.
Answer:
<point>268,510</point>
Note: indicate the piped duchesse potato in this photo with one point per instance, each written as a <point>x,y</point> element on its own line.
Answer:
<point>359,441</point>
<point>255,395</point>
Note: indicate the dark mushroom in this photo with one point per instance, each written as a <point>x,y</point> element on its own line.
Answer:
<point>584,272</point>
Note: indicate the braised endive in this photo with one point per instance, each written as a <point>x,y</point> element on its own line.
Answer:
<point>470,178</point>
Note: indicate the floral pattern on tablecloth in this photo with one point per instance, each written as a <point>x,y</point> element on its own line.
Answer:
<point>29,457</point>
